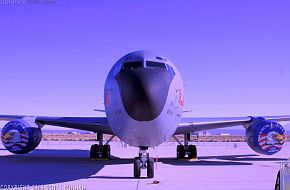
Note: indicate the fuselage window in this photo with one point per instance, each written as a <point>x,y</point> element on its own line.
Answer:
<point>133,65</point>
<point>153,64</point>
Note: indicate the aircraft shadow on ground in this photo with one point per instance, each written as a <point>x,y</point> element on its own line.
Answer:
<point>228,160</point>
<point>200,162</point>
<point>243,158</point>
<point>48,166</point>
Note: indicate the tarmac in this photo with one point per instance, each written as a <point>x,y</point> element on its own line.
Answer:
<point>65,165</point>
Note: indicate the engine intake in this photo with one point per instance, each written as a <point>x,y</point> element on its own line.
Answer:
<point>20,137</point>
<point>266,137</point>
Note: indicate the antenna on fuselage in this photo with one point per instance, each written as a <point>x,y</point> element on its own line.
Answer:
<point>99,110</point>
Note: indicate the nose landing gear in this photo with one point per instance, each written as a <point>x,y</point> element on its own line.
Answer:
<point>143,162</point>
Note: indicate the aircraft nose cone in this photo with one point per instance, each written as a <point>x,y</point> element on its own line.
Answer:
<point>144,92</point>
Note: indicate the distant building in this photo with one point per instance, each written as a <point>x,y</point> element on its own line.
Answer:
<point>73,133</point>
<point>224,134</point>
<point>87,133</point>
<point>201,133</point>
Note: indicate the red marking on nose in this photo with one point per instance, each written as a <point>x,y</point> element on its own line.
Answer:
<point>107,98</point>
<point>181,100</point>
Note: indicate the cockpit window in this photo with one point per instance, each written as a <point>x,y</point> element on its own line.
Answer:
<point>171,70</point>
<point>154,64</point>
<point>133,65</point>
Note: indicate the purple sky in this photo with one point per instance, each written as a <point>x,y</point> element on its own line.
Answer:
<point>234,56</point>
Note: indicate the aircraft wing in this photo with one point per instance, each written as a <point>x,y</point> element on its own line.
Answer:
<point>94,124</point>
<point>189,125</point>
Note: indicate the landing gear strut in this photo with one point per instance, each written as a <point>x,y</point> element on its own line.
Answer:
<point>100,150</point>
<point>185,151</point>
<point>143,162</point>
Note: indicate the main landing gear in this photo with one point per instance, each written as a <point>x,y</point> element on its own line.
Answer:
<point>143,162</point>
<point>185,151</point>
<point>101,151</point>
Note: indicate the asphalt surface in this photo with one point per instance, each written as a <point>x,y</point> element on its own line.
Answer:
<point>66,166</point>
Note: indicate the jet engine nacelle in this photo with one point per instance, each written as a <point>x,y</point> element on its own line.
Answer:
<point>20,136</point>
<point>266,137</point>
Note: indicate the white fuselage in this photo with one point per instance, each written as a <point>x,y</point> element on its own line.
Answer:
<point>143,132</point>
